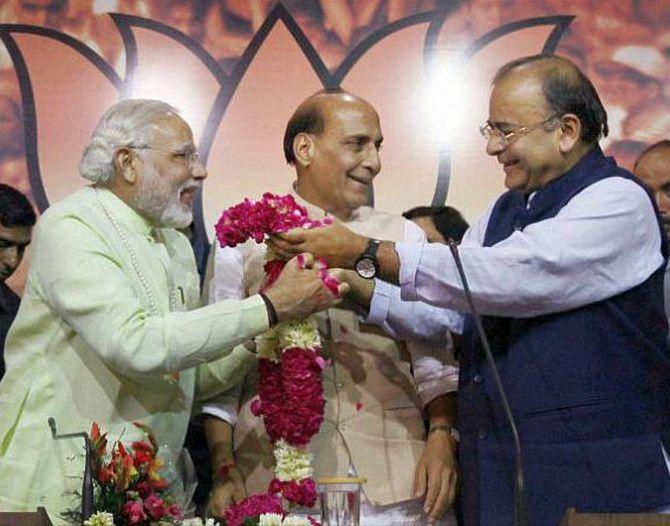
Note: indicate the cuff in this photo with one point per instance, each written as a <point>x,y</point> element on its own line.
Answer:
<point>220,412</point>
<point>379,304</point>
<point>409,255</point>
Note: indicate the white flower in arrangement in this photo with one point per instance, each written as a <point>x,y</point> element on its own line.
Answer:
<point>292,463</point>
<point>270,519</point>
<point>303,333</point>
<point>295,520</point>
<point>197,521</point>
<point>101,518</point>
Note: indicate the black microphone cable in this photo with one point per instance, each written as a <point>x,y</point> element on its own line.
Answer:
<point>520,501</point>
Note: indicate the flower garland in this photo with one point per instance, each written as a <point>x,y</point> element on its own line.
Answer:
<point>290,365</point>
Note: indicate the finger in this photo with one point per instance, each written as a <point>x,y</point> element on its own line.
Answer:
<point>434,484</point>
<point>442,499</point>
<point>419,481</point>
<point>343,288</point>
<point>293,237</point>
<point>453,478</point>
<point>305,260</point>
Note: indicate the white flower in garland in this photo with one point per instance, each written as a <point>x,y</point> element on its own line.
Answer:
<point>101,518</point>
<point>292,463</point>
<point>270,519</point>
<point>303,333</point>
<point>268,343</point>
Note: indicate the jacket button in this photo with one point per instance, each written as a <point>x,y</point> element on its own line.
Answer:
<point>477,378</point>
<point>482,434</point>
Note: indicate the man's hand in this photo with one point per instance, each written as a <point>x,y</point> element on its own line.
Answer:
<point>360,289</point>
<point>338,245</point>
<point>227,488</point>
<point>435,474</point>
<point>299,291</point>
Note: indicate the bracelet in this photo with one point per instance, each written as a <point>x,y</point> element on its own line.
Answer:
<point>448,429</point>
<point>273,319</point>
<point>221,474</point>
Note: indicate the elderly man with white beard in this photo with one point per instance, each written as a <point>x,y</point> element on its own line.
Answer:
<point>109,329</point>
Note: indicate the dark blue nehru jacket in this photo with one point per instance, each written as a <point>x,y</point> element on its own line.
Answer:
<point>589,388</point>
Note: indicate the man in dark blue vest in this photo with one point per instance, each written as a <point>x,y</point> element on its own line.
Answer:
<point>567,269</point>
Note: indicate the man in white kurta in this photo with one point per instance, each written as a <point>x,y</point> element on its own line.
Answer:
<point>104,333</point>
<point>373,426</point>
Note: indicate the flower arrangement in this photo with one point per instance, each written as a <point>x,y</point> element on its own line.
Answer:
<point>129,489</point>
<point>290,365</point>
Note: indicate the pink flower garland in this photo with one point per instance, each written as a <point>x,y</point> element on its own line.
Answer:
<point>291,398</point>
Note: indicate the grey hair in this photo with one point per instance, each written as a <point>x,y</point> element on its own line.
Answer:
<point>127,123</point>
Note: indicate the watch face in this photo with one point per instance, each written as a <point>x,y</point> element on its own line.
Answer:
<point>365,267</point>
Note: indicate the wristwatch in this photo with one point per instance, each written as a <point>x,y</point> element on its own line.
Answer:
<point>367,265</point>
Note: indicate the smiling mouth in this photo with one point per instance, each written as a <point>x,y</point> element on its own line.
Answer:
<point>364,182</point>
<point>509,164</point>
<point>187,195</point>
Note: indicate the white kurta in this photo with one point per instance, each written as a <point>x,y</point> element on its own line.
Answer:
<point>101,336</point>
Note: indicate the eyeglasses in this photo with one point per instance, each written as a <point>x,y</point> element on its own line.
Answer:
<point>489,131</point>
<point>188,157</point>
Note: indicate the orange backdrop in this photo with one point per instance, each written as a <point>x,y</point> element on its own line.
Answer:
<point>238,68</point>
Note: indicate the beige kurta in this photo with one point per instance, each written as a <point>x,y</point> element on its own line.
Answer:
<point>373,418</point>
<point>101,336</point>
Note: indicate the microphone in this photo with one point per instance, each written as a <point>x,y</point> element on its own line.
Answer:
<point>87,484</point>
<point>520,499</point>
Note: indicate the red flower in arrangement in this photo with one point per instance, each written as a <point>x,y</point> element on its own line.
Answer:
<point>155,506</point>
<point>251,507</point>
<point>128,483</point>
<point>134,512</point>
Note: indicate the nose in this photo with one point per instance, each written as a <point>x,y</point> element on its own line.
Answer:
<point>495,145</point>
<point>372,160</point>
<point>198,170</point>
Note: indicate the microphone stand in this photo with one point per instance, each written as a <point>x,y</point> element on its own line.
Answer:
<point>87,483</point>
<point>520,500</point>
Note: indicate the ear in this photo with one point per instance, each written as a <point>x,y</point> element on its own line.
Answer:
<point>123,165</point>
<point>303,149</point>
<point>571,132</point>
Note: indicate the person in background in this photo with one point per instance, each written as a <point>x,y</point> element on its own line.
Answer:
<point>17,219</point>
<point>440,223</point>
<point>653,168</point>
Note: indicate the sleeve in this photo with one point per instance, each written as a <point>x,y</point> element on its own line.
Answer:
<point>224,406</point>
<point>225,282</point>
<point>605,241</point>
<point>107,314</point>
<point>433,365</point>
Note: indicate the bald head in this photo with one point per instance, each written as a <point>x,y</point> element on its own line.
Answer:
<point>313,114</point>
<point>565,89</point>
<point>653,167</point>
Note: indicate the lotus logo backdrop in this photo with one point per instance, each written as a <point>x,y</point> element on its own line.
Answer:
<point>237,70</point>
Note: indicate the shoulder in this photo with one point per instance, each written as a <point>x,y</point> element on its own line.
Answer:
<point>614,193</point>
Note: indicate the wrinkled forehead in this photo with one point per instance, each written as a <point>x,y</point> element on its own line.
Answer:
<point>350,117</point>
<point>517,96</point>
<point>169,129</point>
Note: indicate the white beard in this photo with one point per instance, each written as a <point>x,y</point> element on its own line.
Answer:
<point>159,201</point>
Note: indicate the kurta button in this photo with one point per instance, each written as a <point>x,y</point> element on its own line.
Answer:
<point>482,434</point>
<point>477,378</point>
<point>339,385</point>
